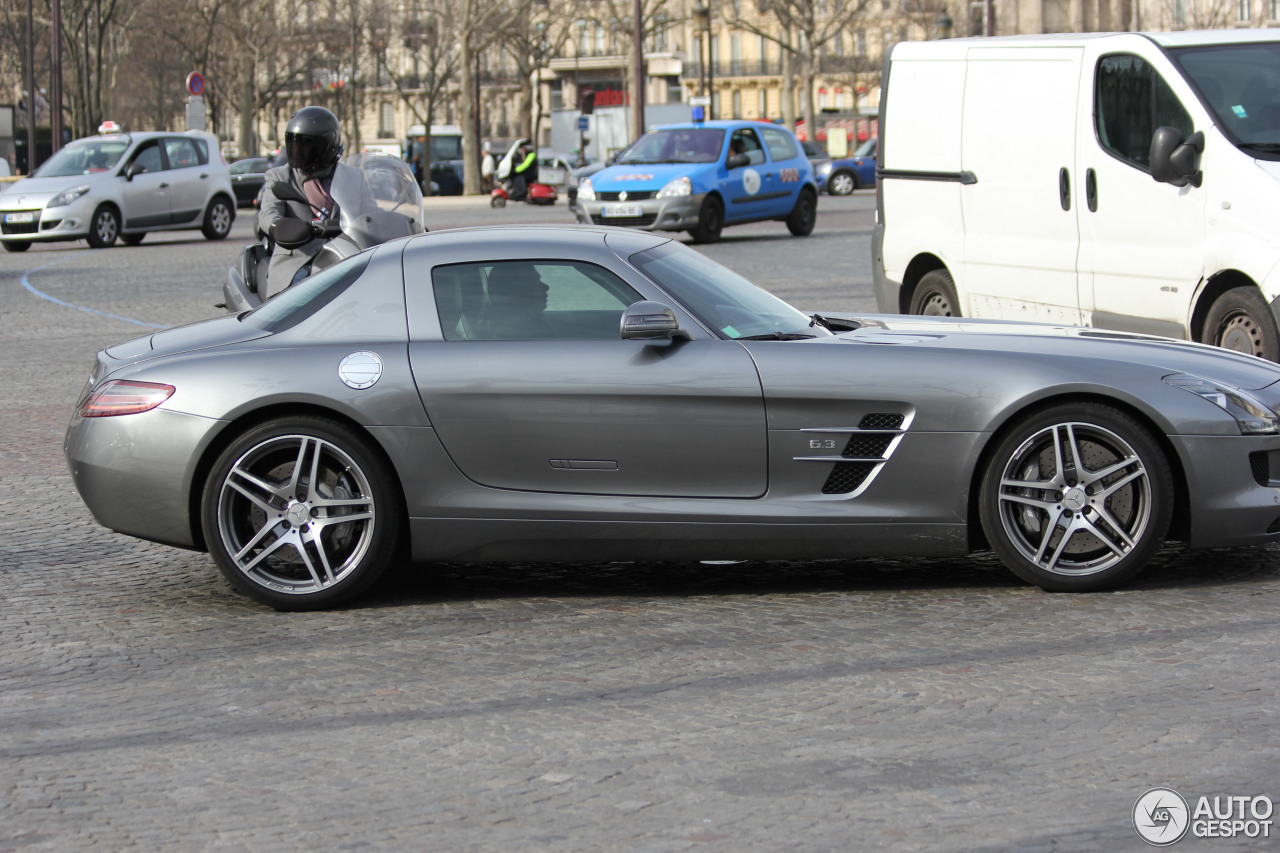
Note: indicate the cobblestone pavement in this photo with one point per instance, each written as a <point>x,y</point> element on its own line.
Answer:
<point>925,705</point>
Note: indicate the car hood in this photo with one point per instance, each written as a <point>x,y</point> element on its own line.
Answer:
<point>643,176</point>
<point>208,333</point>
<point>1032,339</point>
<point>41,187</point>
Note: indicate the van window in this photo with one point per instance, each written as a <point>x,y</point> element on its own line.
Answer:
<point>1240,84</point>
<point>1132,100</point>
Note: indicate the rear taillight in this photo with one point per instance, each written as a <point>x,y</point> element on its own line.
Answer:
<point>123,397</point>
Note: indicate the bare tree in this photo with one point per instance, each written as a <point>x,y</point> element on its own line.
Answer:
<point>531,44</point>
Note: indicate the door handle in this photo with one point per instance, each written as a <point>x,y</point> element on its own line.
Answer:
<point>1091,190</point>
<point>1064,188</point>
<point>164,184</point>
<point>204,175</point>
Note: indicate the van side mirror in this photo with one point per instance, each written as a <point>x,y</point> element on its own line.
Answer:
<point>651,321</point>
<point>1174,160</point>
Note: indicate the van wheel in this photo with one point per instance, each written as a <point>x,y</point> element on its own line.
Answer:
<point>1240,320</point>
<point>104,227</point>
<point>217,220</point>
<point>805,214</point>
<point>710,221</point>
<point>935,295</point>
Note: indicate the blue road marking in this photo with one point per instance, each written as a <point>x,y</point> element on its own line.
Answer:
<point>26,282</point>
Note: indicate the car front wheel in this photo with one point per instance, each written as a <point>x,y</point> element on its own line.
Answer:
<point>217,220</point>
<point>104,228</point>
<point>1240,320</point>
<point>1076,498</point>
<point>710,221</point>
<point>17,245</point>
<point>301,513</point>
<point>842,183</point>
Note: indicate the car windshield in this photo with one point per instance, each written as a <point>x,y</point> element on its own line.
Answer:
<point>721,298</point>
<point>675,145</point>
<point>866,149</point>
<point>245,167</point>
<point>1240,84</point>
<point>308,296</point>
<point>85,157</point>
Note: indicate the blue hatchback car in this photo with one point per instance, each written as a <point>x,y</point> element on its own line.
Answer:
<point>700,177</point>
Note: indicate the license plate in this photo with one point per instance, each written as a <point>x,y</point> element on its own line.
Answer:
<point>19,217</point>
<point>622,210</point>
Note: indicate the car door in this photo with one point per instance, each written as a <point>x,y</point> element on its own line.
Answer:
<point>745,189</point>
<point>188,177</point>
<point>146,194</point>
<point>522,371</point>
<point>1142,241</point>
<point>1020,220</point>
<point>789,169</point>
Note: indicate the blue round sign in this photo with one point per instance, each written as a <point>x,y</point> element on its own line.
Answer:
<point>195,83</point>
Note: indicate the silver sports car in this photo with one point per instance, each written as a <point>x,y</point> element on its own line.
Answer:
<point>582,393</point>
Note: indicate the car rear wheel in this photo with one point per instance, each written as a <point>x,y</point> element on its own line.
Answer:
<point>1076,498</point>
<point>133,239</point>
<point>710,221</point>
<point>935,295</point>
<point>842,183</point>
<point>1240,320</point>
<point>104,227</point>
<point>217,220</point>
<point>804,215</point>
<point>17,245</point>
<point>301,513</point>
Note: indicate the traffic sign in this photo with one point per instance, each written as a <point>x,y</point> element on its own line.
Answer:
<point>584,123</point>
<point>195,83</point>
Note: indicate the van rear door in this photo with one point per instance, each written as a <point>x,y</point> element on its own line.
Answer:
<point>1020,218</point>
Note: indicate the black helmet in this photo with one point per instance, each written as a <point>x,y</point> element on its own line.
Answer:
<point>311,140</point>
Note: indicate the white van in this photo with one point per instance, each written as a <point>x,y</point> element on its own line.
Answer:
<point>1123,181</point>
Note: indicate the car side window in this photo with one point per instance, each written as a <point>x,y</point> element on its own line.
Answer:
<point>148,158</point>
<point>530,300</point>
<point>782,146</point>
<point>1132,100</point>
<point>182,153</point>
<point>745,141</point>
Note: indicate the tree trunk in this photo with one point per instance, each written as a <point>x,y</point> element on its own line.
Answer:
<point>470,164</point>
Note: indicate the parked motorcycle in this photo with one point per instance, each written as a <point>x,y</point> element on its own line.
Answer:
<point>378,200</point>
<point>535,191</point>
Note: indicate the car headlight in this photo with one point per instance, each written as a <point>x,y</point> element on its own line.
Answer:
<point>1253,416</point>
<point>824,169</point>
<point>586,192</point>
<point>677,188</point>
<point>68,196</point>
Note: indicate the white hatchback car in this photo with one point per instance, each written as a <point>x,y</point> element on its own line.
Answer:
<point>121,185</point>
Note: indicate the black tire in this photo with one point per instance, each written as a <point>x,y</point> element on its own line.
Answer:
<point>104,227</point>
<point>497,201</point>
<point>1090,523</point>
<point>804,215</point>
<point>842,182</point>
<point>217,219</point>
<point>935,295</point>
<point>1240,320</point>
<point>133,239</point>
<point>286,545</point>
<point>17,245</point>
<point>710,221</point>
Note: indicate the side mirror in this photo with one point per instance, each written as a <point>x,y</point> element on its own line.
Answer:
<point>650,321</point>
<point>1174,160</point>
<point>737,161</point>
<point>135,169</point>
<point>291,233</point>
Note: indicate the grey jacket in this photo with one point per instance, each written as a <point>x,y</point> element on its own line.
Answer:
<point>285,263</point>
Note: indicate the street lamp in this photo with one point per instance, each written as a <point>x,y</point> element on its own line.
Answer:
<point>943,23</point>
<point>702,25</point>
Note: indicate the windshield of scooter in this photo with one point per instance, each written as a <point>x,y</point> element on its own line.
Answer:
<point>378,199</point>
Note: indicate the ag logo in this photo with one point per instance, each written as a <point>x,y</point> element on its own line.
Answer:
<point>1161,816</point>
<point>751,181</point>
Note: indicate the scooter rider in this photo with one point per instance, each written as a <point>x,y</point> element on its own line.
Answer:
<point>312,141</point>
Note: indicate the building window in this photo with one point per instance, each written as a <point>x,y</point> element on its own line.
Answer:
<point>1273,10</point>
<point>387,120</point>
<point>1180,14</point>
<point>764,103</point>
<point>737,103</point>
<point>1243,12</point>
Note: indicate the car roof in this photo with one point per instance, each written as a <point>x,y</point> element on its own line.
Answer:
<point>719,124</point>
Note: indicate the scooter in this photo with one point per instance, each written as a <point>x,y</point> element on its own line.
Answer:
<point>535,192</point>
<point>378,200</point>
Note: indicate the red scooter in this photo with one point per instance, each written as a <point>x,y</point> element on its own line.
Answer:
<point>535,192</point>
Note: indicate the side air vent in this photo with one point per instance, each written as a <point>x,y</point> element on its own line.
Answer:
<point>870,446</point>
<point>881,420</point>
<point>846,477</point>
<point>1260,463</point>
